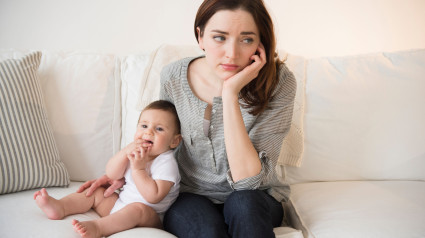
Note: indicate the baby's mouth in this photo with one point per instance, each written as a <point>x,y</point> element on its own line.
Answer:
<point>148,142</point>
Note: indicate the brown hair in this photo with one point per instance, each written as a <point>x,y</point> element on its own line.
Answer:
<point>165,106</point>
<point>259,91</point>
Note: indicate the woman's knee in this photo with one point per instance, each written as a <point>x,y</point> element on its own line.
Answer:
<point>248,214</point>
<point>245,202</point>
<point>194,216</point>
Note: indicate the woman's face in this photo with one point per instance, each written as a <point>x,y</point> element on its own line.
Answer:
<point>230,39</point>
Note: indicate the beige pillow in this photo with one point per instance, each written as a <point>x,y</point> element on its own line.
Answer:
<point>29,156</point>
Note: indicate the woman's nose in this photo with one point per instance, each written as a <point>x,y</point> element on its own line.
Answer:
<point>231,50</point>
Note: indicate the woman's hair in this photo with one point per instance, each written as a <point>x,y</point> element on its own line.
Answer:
<point>259,91</point>
<point>164,106</point>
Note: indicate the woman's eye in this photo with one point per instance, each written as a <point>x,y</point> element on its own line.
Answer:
<point>248,40</point>
<point>219,38</point>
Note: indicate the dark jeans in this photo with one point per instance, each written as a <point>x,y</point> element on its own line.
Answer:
<point>248,213</point>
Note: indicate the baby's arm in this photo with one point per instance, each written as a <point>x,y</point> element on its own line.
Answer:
<point>152,190</point>
<point>117,165</point>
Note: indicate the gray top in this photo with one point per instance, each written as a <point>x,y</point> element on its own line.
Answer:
<point>202,160</point>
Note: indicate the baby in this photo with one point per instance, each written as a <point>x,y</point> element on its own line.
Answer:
<point>151,175</point>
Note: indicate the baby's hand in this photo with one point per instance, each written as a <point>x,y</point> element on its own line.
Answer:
<point>133,146</point>
<point>139,158</point>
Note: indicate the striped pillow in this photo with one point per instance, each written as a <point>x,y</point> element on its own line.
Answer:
<point>29,157</point>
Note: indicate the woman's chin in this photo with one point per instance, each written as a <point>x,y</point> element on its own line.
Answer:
<point>226,75</point>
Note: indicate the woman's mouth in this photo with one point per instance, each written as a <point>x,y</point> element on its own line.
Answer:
<point>229,67</point>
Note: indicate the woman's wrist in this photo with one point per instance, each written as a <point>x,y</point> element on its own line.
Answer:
<point>228,95</point>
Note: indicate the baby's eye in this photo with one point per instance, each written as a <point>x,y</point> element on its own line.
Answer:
<point>159,129</point>
<point>219,38</point>
<point>144,126</point>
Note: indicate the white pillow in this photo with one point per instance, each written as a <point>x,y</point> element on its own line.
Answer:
<point>293,144</point>
<point>364,118</point>
<point>82,94</point>
<point>133,69</point>
<point>163,56</point>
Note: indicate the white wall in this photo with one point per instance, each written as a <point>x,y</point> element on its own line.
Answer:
<point>305,27</point>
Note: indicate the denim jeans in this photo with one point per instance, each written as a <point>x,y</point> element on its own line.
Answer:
<point>248,213</point>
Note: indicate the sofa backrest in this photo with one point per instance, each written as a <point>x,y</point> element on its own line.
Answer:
<point>364,118</point>
<point>355,117</point>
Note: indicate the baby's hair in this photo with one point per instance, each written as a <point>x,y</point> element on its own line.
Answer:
<point>165,106</point>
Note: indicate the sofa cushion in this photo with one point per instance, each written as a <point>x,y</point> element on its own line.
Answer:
<point>29,157</point>
<point>389,209</point>
<point>163,56</point>
<point>13,218</point>
<point>82,92</point>
<point>27,220</point>
<point>364,118</point>
<point>82,95</point>
<point>133,69</point>
<point>293,144</point>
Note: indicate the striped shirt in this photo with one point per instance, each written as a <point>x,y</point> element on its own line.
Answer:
<point>202,159</point>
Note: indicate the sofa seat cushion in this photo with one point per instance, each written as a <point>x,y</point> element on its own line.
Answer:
<point>359,209</point>
<point>20,217</point>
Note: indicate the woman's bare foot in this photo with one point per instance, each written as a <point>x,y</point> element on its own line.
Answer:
<point>50,206</point>
<point>86,229</point>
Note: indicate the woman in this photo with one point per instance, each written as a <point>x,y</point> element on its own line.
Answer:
<point>235,104</point>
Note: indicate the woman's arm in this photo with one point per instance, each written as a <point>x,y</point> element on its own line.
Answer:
<point>242,156</point>
<point>269,129</point>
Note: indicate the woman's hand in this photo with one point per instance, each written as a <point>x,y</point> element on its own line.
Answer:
<point>104,181</point>
<point>235,83</point>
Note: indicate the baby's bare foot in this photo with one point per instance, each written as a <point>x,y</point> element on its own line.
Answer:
<point>50,206</point>
<point>86,229</point>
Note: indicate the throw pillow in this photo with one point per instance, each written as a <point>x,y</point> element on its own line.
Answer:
<point>29,157</point>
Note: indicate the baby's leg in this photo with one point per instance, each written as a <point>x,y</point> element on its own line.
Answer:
<point>72,204</point>
<point>132,215</point>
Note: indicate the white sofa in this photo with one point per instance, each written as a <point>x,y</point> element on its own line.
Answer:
<point>355,156</point>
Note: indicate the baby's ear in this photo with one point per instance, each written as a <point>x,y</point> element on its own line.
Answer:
<point>176,141</point>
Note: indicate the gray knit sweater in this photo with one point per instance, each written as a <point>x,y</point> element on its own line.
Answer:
<point>202,159</point>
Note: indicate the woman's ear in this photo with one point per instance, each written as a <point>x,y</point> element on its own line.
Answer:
<point>200,38</point>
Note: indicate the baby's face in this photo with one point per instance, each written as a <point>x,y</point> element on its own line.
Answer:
<point>156,128</point>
